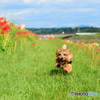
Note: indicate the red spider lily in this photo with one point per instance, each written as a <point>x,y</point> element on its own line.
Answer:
<point>32,33</point>
<point>97,52</point>
<point>2,18</point>
<point>16,39</point>
<point>6,27</point>
<point>64,39</point>
<point>38,47</point>
<point>2,32</point>
<point>94,45</point>
<point>32,44</point>
<point>21,36</point>
<point>57,47</point>
<point>91,55</point>
<point>25,36</point>
<point>19,27</point>
<point>3,23</point>
<point>18,33</point>
<point>12,37</point>
<point>82,44</point>
<point>73,41</point>
<point>25,32</point>
<point>79,41</point>
<point>10,23</point>
<point>98,49</point>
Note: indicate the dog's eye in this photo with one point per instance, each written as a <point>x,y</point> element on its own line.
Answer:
<point>59,54</point>
<point>64,54</point>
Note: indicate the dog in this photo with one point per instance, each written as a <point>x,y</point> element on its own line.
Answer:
<point>63,59</point>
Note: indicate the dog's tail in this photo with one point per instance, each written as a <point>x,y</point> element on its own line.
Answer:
<point>64,46</point>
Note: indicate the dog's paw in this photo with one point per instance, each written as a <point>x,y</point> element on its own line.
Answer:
<point>65,71</point>
<point>58,65</point>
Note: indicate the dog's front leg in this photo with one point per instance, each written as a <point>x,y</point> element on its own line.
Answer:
<point>57,65</point>
<point>68,68</point>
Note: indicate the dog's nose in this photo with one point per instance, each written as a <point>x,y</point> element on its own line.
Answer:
<point>61,58</point>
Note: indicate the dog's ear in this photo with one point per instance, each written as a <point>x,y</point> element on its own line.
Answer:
<point>68,49</point>
<point>64,46</point>
<point>57,48</point>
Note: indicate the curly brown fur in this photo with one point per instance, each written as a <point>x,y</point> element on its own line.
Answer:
<point>64,58</point>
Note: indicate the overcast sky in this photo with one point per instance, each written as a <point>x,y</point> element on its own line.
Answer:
<point>51,13</point>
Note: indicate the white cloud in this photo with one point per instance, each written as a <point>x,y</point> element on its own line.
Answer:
<point>70,25</point>
<point>55,11</point>
<point>46,1</point>
<point>27,1</point>
<point>18,16</point>
<point>94,25</point>
<point>52,26</point>
<point>5,2</point>
<point>60,2</point>
<point>18,12</point>
<point>35,2</point>
<point>79,10</point>
<point>25,11</point>
<point>93,1</point>
<point>1,6</point>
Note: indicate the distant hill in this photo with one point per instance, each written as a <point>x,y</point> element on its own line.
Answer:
<point>60,30</point>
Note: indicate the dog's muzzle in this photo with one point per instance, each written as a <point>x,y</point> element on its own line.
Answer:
<point>61,59</point>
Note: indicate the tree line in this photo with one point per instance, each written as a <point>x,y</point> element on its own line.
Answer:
<point>65,30</point>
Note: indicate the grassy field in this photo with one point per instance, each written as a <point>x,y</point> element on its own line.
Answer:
<point>86,38</point>
<point>27,67</point>
<point>32,75</point>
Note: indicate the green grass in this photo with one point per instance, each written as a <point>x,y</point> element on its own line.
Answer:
<point>84,38</point>
<point>31,75</point>
<point>61,37</point>
<point>87,36</point>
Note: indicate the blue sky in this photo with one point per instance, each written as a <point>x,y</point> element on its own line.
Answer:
<point>51,13</point>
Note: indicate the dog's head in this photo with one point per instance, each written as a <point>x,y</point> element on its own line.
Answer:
<point>63,55</point>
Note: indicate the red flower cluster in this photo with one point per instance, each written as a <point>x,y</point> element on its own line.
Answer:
<point>5,28</point>
<point>16,39</point>
<point>4,25</point>
<point>79,41</point>
<point>32,44</point>
<point>25,32</point>
<point>2,21</point>
<point>18,33</point>
<point>73,41</point>
<point>64,39</point>
<point>91,55</point>
<point>94,45</point>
